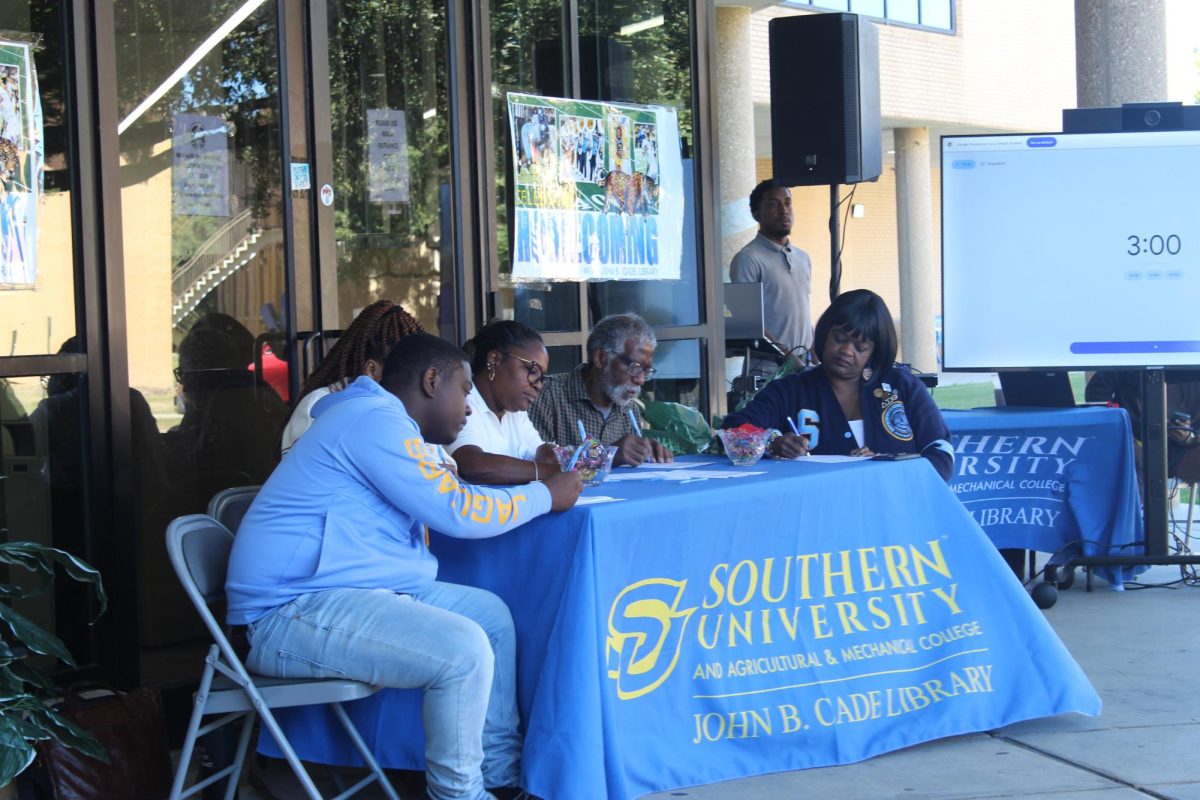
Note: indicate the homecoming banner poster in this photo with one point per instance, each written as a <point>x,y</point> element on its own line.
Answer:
<point>21,157</point>
<point>598,190</point>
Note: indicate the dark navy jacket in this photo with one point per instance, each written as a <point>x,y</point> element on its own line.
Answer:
<point>899,416</point>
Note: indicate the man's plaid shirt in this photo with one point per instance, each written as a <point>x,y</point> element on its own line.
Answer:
<point>565,400</point>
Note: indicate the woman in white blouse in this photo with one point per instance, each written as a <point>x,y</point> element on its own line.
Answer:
<point>499,445</point>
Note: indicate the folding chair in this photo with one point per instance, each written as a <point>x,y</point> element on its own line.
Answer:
<point>228,506</point>
<point>199,548</point>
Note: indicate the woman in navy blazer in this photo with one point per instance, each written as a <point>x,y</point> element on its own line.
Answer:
<point>857,401</point>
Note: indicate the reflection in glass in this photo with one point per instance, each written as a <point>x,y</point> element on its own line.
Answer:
<point>43,492</point>
<point>936,14</point>
<point>526,57</point>
<point>198,92</point>
<point>563,358</point>
<point>42,454</point>
<point>640,52</point>
<point>37,271</point>
<point>629,51</point>
<point>903,11</point>
<point>868,8</point>
<point>678,369</point>
<point>391,151</point>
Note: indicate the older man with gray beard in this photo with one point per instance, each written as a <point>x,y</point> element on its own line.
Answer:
<point>600,392</point>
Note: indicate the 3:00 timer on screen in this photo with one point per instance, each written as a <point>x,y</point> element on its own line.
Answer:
<point>1154,245</point>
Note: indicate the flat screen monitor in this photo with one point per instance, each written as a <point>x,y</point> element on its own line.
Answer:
<point>744,311</point>
<point>1071,251</point>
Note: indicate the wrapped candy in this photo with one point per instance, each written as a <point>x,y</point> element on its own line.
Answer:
<point>593,463</point>
<point>744,444</point>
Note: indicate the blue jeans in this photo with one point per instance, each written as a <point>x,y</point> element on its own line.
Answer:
<point>455,642</point>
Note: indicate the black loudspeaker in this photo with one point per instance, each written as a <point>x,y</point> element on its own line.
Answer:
<point>825,120</point>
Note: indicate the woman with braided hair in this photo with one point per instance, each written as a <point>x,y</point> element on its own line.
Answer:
<point>361,350</point>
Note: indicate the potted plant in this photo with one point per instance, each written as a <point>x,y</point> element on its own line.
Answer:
<point>24,718</point>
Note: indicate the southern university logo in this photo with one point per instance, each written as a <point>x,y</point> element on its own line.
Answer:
<point>645,631</point>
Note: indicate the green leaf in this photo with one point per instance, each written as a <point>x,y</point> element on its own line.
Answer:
<point>33,637</point>
<point>63,730</point>
<point>42,559</point>
<point>21,671</point>
<point>10,684</point>
<point>32,731</point>
<point>15,753</point>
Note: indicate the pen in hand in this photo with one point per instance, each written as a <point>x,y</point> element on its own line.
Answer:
<point>795,430</point>
<point>637,429</point>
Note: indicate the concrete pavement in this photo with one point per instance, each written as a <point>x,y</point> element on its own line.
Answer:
<point>1141,650</point>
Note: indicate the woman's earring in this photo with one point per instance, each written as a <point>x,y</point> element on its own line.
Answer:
<point>867,374</point>
<point>491,372</point>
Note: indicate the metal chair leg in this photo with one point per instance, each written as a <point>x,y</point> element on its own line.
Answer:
<point>189,741</point>
<point>1187,530</point>
<point>268,719</point>
<point>239,760</point>
<point>364,751</point>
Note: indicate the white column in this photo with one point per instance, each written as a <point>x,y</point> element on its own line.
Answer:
<point>1120,52</point>
<point>735,129</point>
<point>918,256</point>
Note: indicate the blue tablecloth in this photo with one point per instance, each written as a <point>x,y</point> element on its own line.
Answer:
<point>816,614</point>
<point>1053,480</point>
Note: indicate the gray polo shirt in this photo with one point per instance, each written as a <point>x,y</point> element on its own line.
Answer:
<point>786,275</point>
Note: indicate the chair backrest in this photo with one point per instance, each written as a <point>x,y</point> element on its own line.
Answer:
<point>228,506</point>
<point>199,549</point>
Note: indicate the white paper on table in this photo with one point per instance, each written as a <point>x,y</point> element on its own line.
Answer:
<point>672,465</point>
<point>682,474</point>
<point>592,499</point>
<point>811,459</point>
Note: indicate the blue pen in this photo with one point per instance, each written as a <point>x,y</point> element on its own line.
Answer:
<point>582,431</point>
<point>637,429</point>
<point>574,458</point>
<point>795,430</point>
<point>633,420</point>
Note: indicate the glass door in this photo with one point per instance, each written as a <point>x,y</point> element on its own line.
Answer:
<point>631,51</point>
<point>389,125</point>
<point>45,483</point>
<point>202,130</point>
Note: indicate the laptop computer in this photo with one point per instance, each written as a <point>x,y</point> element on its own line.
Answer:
<point>1037,389</point>
<point>743,312</point>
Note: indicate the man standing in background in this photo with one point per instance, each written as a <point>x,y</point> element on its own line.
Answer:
<point>784,270</point>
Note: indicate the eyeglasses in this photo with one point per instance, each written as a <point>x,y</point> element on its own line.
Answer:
<point>536,376</point>
<point>179,372</point>
<point>634,368</point>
